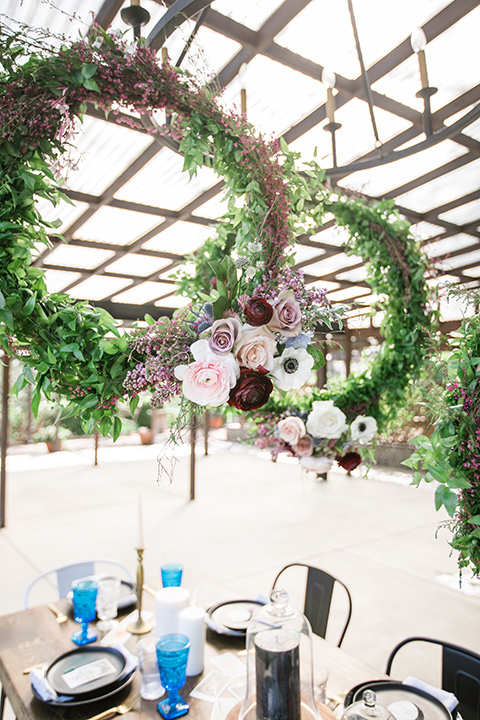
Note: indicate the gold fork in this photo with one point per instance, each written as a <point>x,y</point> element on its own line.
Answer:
<point>119,709</point>
<point>61,618</point>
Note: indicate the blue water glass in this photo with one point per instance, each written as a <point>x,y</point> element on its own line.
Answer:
<point>171,574</point>
<point>172,656</point>
<point>84,610</point>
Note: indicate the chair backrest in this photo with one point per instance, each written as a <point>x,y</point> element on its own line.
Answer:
<point>460,674</point>
<point>319,591</point>
<point>65,574</point>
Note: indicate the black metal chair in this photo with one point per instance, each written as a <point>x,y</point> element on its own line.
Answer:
<point>460,674</point>
<point>318,599</point>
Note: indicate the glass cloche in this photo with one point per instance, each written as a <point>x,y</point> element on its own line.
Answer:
<point>367,709</point>
<point>279,664</point>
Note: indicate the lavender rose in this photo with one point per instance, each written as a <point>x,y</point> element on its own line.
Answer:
<point>287,316</point>
<point>224,334</point>
<point>291,429</point>
<point>304,446</point>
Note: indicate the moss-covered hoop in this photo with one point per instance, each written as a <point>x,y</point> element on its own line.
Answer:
<point>69,353</point>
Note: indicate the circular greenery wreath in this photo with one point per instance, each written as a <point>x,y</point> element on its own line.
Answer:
<point>74,349</point>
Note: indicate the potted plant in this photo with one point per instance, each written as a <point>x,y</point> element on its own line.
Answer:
<point>52,436</point>
<point>146,435</point>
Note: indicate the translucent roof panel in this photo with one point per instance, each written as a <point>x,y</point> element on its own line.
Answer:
<point>64,211</point>
<point>208,54</point>
<point>449,244</point>
<point>463,215</point>
<point>103,152</point>
<point>451,72</point>
<point>426,230</point>
<point>328,285</point>
<point>349,293</point>
<point>57,280</point>
<point>138,265</point>
<point>334,235</point>
<point>323,32</point>
<point>354,138</point>
<point>251,13</point>
<point>213,208</point>
<point>116,227</point>
<point>460,260</point>
<point>355,275</point>
<point>442,190</point>
<point>472,272</point>
<point>98,287</point>
<point>330,264</point>
<point>180,238</point>
<point>305,252</point>
<point>162,183</point>
<point>78,257</point>
<point>70,20</point>
<point>383,179</point>
<point>267,108</point>
<point>173,301</point>
<point>143,293</point>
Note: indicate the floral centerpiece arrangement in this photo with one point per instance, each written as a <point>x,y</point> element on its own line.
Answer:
<point>236,349</point>
<point>318,437</point>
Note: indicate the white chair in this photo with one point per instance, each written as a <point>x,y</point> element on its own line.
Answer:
<point>65,574</point>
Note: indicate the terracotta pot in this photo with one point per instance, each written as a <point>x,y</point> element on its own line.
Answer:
<point>53,445</point>
<point>215,422</point>
<point>146,438</point>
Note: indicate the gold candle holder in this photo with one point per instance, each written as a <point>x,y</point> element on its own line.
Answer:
<point>140,627</point>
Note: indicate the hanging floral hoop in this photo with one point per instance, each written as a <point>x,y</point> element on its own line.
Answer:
<point>75,350</point>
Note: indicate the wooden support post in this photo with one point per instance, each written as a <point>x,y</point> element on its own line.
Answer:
<point>348,352</point>
<point>206,424</point>
<point>193,438</point>
<point>95,444</point>
<point>4,439</point>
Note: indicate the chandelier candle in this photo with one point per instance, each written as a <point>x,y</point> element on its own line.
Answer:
<point>277,669</point>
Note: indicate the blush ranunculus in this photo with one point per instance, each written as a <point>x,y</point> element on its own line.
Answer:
<point>304,446</point>
<point>224,334</point>
<point>287,316</point>
<point>209,379</point>
<point>255,348</point>
<point>258,312</point>
<point>251,391</point>
<point>291,429</point>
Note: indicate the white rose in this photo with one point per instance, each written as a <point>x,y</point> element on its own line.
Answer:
<point>363,428</point>
<point>319,465</point>
<point>326,420</point>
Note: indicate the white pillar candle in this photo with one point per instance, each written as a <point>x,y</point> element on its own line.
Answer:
<point>191,622</point>
<point>140,540</point>
<point>168,603</point>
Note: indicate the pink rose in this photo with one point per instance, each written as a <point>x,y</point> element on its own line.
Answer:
<point>291,429</point>
<point>255,348</point>
<point>287,316</point>
<point>224,334</point>
<point>304,446</point>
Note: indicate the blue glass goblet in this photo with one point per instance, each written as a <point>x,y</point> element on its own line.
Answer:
<point>172,656</point>
<point>171,574</point>
<point>84,609</point>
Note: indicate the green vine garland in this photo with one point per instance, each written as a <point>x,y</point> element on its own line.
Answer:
<point>73,348</point>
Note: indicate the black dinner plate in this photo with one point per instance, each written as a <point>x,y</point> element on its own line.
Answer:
<point>233,615</point>
<point>82,656</point>
<point>95,698</point>
<point>388,692</point>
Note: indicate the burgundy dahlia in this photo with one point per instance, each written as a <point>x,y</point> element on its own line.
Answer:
<point>252,390</point>
<point>258,312</point>
<point>349,461</point>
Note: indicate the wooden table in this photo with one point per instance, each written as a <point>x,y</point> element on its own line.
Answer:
<point>33,636</point>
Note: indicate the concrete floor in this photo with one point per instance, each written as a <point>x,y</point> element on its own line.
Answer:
<point>250,518</point>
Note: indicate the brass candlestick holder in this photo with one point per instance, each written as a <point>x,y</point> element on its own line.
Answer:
<point>140,627</point>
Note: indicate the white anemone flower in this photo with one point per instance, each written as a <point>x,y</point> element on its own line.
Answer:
<point>363,428</point>
<point>292,369</point>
